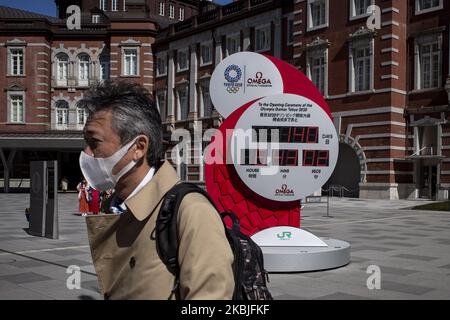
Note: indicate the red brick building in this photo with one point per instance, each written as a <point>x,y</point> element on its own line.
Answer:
<point>386,89</point>
<point>48,67</point>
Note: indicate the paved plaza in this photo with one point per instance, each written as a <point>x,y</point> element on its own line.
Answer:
<point>410,247</point>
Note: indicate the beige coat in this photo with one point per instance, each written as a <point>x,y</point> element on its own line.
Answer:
<point>125,256</point>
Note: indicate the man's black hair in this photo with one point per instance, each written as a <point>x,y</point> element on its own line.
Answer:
<point>133,113</point>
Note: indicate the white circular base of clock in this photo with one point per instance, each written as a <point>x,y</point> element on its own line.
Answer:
<point>302,259</point>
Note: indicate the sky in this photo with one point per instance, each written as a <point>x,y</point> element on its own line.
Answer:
<point>47,7</point>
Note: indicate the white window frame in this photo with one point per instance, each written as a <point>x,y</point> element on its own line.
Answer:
<point>310,26</point>
<point>266,28</point>
<point>161,9</point>
<point>64,125</point>
<point>354,45</point>
<point>205,85</point>
<point>10,102</point>
<point>84,70</point>
<point>20,61</point>
<point>81,114</point>
<point>235,37</point>
<point>353,15</point>
<point>95,18</point>
<point>62,81</point>
<point>162,94</point>
<point>185,89</point>
<point>171,11</point>
<point>181,14</point>
<point>179,52</point>
<point>419,11</point>
<point>315,54</point>
<point>102,5</point>
<point>114,5</point>
<point>128,72</point>
<point>209,45</point>
<point>418,70</point>
<point>290,31</point>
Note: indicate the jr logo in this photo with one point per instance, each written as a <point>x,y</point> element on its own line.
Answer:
<point>285,235</point>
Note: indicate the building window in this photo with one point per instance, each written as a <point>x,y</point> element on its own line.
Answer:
<point>104,68</point>
<point>102,5</point>
<point>181,14</point>
<point>95,18</point>
<point>16,61</point>
<point>206,102</point>
<point>130,62</point>
<point>171,11</point>
<point>424,6</point>
<point>83,69</point>
<point>361,66</point>
<point>183,107</point>
<point>16,104</point>
<point>62,114</point>
<point>161,104</point>
<point>206,53</point>
<point>233,44</point>
<point>358,8</point>
<point>161,64</point>
<point>114,5</point>
<point>317,69</point>
<point>428,63</point>
<point>182,60</point>
<point>161,9</point>
<point>81,117</point>
<point>263,38</point>
<point>290,31</point>
<point>317,14</point>
<point>62,66</point>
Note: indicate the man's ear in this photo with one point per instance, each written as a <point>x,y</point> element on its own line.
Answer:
<point>142,145</point>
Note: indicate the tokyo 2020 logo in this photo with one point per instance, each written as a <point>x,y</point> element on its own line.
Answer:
<point>233,75</point>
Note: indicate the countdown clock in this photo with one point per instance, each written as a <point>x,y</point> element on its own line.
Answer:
<point>284,147</point>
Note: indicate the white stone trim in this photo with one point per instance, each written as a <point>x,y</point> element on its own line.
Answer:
<point>361,112</point>
<point>389,76</point>
<point>390,63</point>
<point>390,9</point>
<point>387,50</point>
<point>390,23</point>
<point>390,36</point>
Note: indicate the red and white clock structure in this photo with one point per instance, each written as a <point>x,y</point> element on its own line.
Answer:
<point>276,146</point>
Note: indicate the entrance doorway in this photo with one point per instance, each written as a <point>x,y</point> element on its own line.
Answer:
<point>428,182</point>
<point>347,174</point>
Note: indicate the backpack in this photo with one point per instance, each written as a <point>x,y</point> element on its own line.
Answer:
<point>248,265</point>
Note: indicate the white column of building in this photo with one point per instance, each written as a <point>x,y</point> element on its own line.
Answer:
<point>193,80</point>
<point>218,49</point>
<point>246,42</point>
<point>170,86</point>
<point>277,38</point>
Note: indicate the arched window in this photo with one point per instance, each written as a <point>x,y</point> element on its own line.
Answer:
<point>83,69</point>
<point>62,114</point>
<point>104,66</point>
<point>62,68</point>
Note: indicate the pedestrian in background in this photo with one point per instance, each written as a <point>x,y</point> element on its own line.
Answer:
<point>94,203</point>
<point>83,197</point>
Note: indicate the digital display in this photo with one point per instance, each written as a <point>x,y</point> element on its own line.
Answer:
<point>316,158</point>
<point>283,158</point>
<point>287,134</point>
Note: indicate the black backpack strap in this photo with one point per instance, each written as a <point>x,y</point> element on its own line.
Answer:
<point>166,230</point>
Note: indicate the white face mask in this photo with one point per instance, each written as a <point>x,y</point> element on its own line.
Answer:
<point>98,171</point>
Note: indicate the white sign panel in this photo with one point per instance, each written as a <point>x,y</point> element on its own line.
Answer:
<point>241,78</point>
<point>284,147</point>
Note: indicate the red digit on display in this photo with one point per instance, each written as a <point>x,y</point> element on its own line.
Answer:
<point>323,158</point>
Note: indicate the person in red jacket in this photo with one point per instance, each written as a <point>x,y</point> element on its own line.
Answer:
<point>94,205</point>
